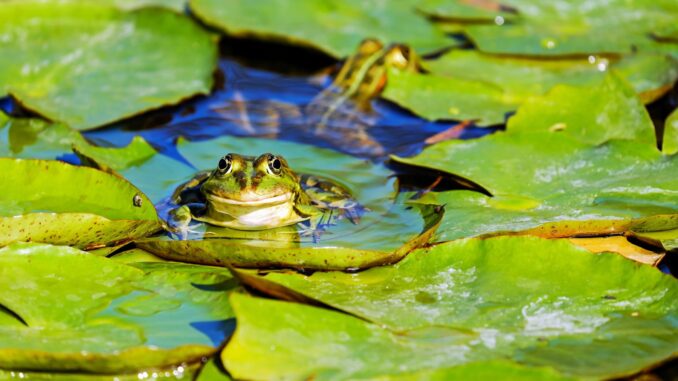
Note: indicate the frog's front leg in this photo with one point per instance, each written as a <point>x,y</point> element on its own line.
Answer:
<point>314,226</point>
<point>179,222</point>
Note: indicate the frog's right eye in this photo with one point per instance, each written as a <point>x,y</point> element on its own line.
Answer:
<point>225,164</point>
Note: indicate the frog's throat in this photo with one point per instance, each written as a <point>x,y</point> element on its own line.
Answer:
<point>266,213</point>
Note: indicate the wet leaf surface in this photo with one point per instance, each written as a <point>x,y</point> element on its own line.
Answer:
<point>536,301</point>
<point>565,27</point>
<point>334,27</point>
<point>558,170</point>
<point>54,202</point>
<point>151,315</point>
<point>154,56</point>
<point>469,85</point>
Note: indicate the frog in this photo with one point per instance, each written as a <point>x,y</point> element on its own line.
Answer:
<point>341,114</point>
<point>258,193</point>
<point>343,111</point>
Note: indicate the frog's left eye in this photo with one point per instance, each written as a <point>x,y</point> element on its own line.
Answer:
<point>274,164</point>
<point>225,164</point>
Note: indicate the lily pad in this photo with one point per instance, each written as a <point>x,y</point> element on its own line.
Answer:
<point>384,234</point>
<point>565,27</point>
<point>54,202</point>
<point>154,56</point>
<point>536,301</point>
<point>469,85</point>
<point>561,168</point>
<point>38,139</point>
<point>88,313</point>
<point>464,10</point>
<point>333,26</point>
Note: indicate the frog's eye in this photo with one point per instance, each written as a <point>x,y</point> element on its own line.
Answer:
<point>274,164</point>
<point>225,164</point>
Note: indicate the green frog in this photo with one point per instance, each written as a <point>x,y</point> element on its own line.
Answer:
<point>259,193</point>
<point>343,111</point>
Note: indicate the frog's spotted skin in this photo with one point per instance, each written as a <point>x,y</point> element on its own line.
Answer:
<point>258,193</point>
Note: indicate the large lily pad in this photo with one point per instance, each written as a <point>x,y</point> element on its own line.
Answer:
<point>469,85</point>
<point>566,27</point>
<point>54,202</point>
<point>535,301</point>
<point>88,313</point>
<point>561,168</point>
<point>384,234</point>
<point>153,56</point>
<point>333,26</point>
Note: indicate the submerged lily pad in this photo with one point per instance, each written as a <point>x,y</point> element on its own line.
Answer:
<point>536,301</point>
<point>469,85</point>
<point>386,232</point>
<point>566,27</point>
<point>54,202</point>
<point>561,168</point>
<point>333,26</point>
<point>91,314</point>
<point>153,56</point>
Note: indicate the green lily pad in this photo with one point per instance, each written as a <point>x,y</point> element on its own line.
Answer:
<point>333,26</point>
<point>91,314</point>
<point>536,301</point>
<point>384,234</point>
<point>670,141</point>
<point>153,56</point>
<point>565,27</point>
<point>54,202</point>
<point>38,139</point>
<point>464,10</point>
<point>561,168</point>
<point>469,85</point>
<point>176,5</point>
<point>174,373</point>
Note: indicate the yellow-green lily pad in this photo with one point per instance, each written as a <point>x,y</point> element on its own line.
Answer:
<point>87,313</point>
<point>535,301</point>
<point>333,26</point>
<point>103,64</point>
<point>567,27</point>
<point>579,161</point>
<point>55,202</point>
<point>470,85</point>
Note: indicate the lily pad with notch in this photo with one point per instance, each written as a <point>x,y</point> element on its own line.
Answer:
<point>54,202</point>
<point>579,161</point>
<point>89,314</point>
<point>539,302</point>
<point>154,56</point>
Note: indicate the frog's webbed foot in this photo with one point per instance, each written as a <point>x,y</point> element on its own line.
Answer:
<point>354,212</point>
<point>179,223</point>
<point>316,227</point>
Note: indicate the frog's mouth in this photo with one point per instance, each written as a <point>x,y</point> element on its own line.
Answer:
<point>255,202</point>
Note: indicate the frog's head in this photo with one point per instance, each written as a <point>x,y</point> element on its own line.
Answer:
<point>246,180</point>
<point>255,192</point>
